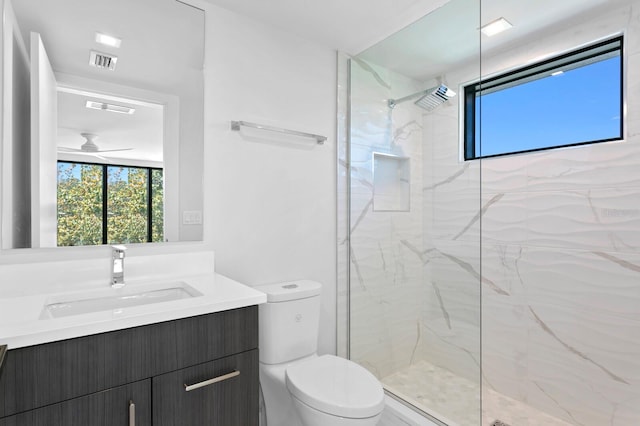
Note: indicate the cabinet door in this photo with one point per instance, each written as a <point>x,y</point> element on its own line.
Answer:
<point>224,398</point>
<point>128,405</point>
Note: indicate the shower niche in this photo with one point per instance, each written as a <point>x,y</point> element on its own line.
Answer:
<point>391,183</point>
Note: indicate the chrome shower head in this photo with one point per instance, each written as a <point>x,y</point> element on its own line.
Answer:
<point>435,97</point>
<point>429,99</point>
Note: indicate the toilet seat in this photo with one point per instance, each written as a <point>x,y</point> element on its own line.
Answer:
<point>336,386</point>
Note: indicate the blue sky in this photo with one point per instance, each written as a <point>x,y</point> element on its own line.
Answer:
<point>116,173</point>
<point>579,105</point>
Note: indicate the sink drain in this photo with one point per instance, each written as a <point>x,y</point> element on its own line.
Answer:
<point>499,423</point>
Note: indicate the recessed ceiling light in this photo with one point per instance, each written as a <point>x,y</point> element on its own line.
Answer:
<point>556,73</point>
<point>110,107</point>
<point>495,27</point>
<point>108,40</point>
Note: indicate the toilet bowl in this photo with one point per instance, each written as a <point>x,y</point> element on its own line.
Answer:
<point>329,390</point>
<point>301,388</point>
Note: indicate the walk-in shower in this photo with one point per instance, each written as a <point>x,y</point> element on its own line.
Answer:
<point>498,291</point>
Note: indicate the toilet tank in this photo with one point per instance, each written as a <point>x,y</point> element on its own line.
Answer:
<point>289,321</point>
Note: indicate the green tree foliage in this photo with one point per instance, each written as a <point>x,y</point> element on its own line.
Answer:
<point>126,205</point>
<point>157,206</point>
<point>79,204</point>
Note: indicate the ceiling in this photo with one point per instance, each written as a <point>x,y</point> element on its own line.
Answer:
<point>161,52</point>
<point>141,130</point>
<point>415,51</point>
<point>385,29</point>
<point>155,46</point>
<point>346,25</point>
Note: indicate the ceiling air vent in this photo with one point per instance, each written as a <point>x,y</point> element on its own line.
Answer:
<point>103,60</point>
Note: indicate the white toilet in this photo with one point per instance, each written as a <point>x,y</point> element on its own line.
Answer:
<point>299,387</point>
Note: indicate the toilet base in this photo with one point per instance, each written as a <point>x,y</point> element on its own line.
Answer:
<point>312,417</point>
<point>277,399</point>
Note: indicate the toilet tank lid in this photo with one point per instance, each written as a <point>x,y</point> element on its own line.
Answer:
<point>290,290</point>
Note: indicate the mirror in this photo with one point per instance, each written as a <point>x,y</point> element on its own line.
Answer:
<point>75,101</point>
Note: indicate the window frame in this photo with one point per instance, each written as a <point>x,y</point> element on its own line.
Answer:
<point>521,75</point>
<point>105,186</point>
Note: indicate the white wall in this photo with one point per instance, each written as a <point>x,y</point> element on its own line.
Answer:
<point>15,168</point>
<point>270,205</point>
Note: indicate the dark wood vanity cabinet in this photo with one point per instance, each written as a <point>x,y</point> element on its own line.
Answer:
<point>230,401</point>
<point>139,376</point>
<point>3,352</point>
<point>123,405</point>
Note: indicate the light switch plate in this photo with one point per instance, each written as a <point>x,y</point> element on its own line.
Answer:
<point>192,217</point>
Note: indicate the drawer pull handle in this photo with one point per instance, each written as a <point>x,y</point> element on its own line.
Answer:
<point>132,414</point>
<point>211,381</point>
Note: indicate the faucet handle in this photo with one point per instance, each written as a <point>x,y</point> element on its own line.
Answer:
<point>119,248</point>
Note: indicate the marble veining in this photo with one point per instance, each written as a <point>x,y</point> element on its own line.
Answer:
<point>366,209</point>
<point>573,350</point>
<point>553,399</point>
<point>448,179</point>
<point>621,262</point>
<point>365,66</point>
<point>406,132</point>
<point>356,268</point>
<point>472,355</point>
<point>478,215</point>
<point>445,314</point>
<point>475,274</point>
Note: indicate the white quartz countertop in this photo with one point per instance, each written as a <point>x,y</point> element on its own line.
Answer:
<point>22,323</point>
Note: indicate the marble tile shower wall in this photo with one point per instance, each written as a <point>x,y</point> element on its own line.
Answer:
<point>450,322</point>
<point>561,259</point>
<point>387,294</point>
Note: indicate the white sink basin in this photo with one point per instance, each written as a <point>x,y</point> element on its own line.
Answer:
<point>116,299</point>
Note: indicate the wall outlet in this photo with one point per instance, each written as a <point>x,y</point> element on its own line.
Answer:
<point>192,217</point>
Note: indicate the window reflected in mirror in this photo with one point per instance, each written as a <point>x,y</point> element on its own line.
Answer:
<point>109,204</point>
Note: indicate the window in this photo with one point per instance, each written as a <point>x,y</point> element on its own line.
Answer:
<point>109,204</point>
<point>571,99</point>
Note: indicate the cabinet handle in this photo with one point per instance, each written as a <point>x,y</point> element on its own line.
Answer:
<point>188,388</point>
<point>132,414</point>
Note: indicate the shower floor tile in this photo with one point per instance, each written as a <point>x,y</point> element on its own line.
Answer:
<point>456,400</point>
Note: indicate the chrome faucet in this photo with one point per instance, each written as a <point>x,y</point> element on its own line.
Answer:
<point>117,266</point>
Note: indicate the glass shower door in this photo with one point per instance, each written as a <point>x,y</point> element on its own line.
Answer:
<point>413,209</point>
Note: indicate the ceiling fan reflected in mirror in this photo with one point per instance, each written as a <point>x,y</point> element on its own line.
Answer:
<point>89,146</point>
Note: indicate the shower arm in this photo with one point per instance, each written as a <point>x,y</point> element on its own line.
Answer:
<point>393,102</point>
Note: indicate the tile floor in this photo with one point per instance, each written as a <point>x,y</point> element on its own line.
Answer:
<point>456,400</point>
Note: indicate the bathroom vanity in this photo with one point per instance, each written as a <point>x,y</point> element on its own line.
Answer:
<point>184,362</point>
<point>139,376</point>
